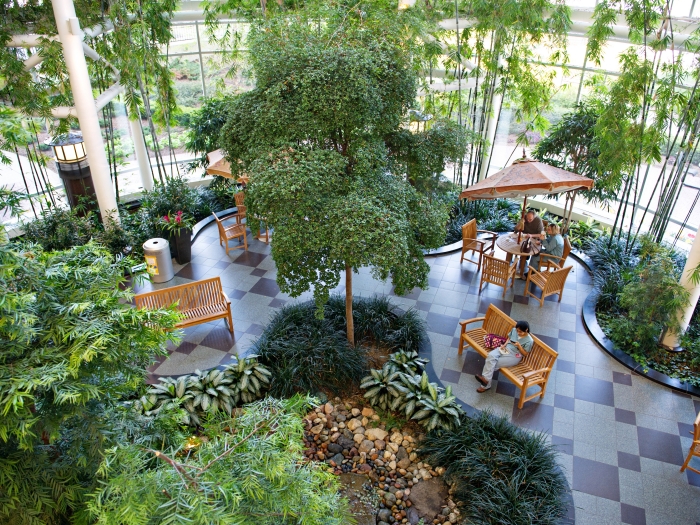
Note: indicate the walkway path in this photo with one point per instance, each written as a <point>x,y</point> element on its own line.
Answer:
<point>622,437</point>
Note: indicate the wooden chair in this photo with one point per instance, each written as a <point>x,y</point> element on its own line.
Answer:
<point>534,369</point>
<point>550,282</point>
<point>240,205</point>
<point>552,262</point>
<point>471,242</point>
<point>226,233</point>
<point>497,271</point>
<point>199,302</point>
<point>494,322</point>
<point>694,447</point>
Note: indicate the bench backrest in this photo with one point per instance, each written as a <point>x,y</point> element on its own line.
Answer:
<point>540,356</point>
<point>188,296</point>
<point>496,322</point>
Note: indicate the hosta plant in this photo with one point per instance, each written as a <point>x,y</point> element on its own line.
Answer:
<point>429,404</point>
<point>210,391</point>
<point>383,388</point>
<point>407,362</point>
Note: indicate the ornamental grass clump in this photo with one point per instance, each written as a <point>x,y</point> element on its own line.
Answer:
<point>307,354</point>
<point>500,473</point>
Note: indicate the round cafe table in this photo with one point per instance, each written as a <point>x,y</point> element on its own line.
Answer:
<point>509,244</point>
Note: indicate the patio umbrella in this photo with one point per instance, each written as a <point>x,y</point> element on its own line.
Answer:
<point>218,165</point>
<point>526,177</point>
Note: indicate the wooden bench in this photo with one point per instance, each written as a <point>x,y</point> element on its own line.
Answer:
<point>535,367</point>
<point>200,302</point>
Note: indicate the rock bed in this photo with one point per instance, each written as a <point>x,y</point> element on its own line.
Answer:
<point>352,439</point>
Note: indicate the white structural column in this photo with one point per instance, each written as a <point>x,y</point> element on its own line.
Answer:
<point>490,133</point>
<point>71,38</point>
<point>670,339</point>
<point>141,154</point>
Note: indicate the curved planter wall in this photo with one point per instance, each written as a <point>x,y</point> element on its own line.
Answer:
<point>596,332</point>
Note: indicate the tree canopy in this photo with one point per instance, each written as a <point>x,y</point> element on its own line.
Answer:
<point>315,136</point>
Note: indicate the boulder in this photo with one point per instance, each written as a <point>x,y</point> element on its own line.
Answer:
<point>428,497</point>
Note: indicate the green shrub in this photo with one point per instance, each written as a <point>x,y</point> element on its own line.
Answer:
<point>501,473</point>
<point>377,321</point>
<point>59,229</point>
<point>494,215</point>
<point>249,470</point>
<point>307,354</point>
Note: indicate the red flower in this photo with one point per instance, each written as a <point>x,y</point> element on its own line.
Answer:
<point>166,218</point>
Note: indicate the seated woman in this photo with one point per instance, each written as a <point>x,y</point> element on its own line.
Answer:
<point>552,244</point>
<point>508,354</point>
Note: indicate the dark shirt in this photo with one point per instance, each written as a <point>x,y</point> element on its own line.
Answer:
<point>535,227</point>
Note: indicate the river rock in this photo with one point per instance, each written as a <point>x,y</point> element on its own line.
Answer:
<point>358,438</point>
<point>317,429</point>
<point>401,453</point>
<point>337,459</point>
<point>397,438</point>
<point>367,412</point>
<point>355,412</point>
<point>375,434</point>
<point>404,463</point>
<point>353,424</point>
<point>335,448</point>
<point>384,515</point>
<point>346,443</point>
<point>379,444</point>
<point>366,446</point>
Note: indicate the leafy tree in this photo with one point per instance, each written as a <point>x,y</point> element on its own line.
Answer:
<point>250,471</point>
<point>72,349</point>
<point>573,145</point>
<point>313,134</point>
<point>204,129</point>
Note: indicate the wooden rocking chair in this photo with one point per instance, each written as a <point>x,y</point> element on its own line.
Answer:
<point>551,283</point>
<point>497,271</point>
<point>470,242</point>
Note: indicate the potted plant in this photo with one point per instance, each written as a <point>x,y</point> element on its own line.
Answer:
<point>180,226</point>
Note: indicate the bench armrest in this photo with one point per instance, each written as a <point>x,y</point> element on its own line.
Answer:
<point>226,297</point>
<point>474,320</point>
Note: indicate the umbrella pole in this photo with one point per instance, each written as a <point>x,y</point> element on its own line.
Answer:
<point>571,209</point>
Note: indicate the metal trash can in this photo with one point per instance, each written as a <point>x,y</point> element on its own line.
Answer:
<point>158,260</point>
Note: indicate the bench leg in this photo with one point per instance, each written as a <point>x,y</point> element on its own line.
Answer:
<point>521,401</point>
<point>230,321</point>
<point>461,345</point>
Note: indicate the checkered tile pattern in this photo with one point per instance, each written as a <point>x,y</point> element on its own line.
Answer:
<point>621,437</point>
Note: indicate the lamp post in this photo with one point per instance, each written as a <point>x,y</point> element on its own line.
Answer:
<point>74,170</point>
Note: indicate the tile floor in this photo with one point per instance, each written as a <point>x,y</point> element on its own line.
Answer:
<point>622,437</point>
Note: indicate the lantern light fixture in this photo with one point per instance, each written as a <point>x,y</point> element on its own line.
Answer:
<point>68,147</point>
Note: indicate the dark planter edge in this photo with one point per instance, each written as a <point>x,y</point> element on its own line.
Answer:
<point>442,250</point>
<point>590,322</point>
<point>426,351</point>
<point>208,220</point>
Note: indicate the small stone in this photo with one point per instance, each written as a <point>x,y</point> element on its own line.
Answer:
<point>397,438</point>
<point>401,453</point>
<point>321,455</point>
<point>365,421</point>
<point>375,434</point>
<point>403,464</point>
<point>355,412</point>
<point>335,448</point>
<point>335,436</point>
<point>379,444</point>
<point>337,459</point>
<point>340,417</point>
<point>405,443</point>
<point>317,429</point>
<point>328,408</point>
<point>392,465</point>
<point>366,446</point>
<point>393,447</point>
<point>341,425</point>
<point>413,456</point>
<point>440,471</point>
<point>353,424</point>
<point>390,498</point>
<point>399,494</point>
<point>358,438</point>
<point>384,515</point>
<point>453,517</point>
<point>446,511</point>
<point>407,492</point>
<point>387,455</point>
<point>374,417</point>
<point>367,412</point>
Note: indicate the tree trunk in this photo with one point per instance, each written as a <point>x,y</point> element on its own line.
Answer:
<point>348,305</point>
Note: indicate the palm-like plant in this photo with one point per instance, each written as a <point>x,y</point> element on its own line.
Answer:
<point>249,378</point>
<point>439,410</point>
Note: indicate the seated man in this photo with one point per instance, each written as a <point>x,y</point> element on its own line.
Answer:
<point>533,224</point>
<point>508,354</point>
